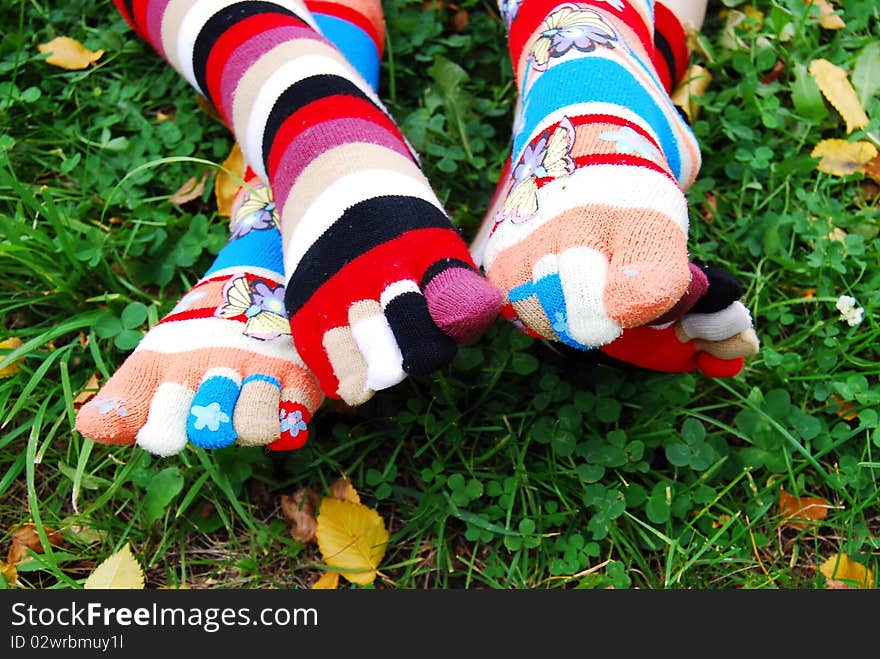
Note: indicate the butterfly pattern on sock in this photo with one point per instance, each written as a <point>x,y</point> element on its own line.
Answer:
<point>570,26</point>
<point>549,157</point>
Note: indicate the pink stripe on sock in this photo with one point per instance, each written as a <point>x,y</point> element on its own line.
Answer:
<point>155,13</point>
<point>246,55</point>
<point>315,140</point>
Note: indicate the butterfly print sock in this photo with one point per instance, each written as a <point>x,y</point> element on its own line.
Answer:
<point>589,232</point>
<point>380,283</point>
<point>221,367</point>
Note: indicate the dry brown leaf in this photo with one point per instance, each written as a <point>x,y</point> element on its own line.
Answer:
<point>798,511</point>
<point>299,510</point>
<point>327,581</point>
<point>26,537</point>
<point>773,73</point>
<point>840,157</point>
<point>872,169</point>
<point>836,87</point>
<point>460,20</point>
<point>229,180</point>
<point>190,190</point>
<point>88,391</point>
<point>840,568</point>
<point>14,367</point>
<point>164,116</point>
<point>829,19</point>
<point>695,85</point>
<point>344,490</point>
<point>69,53</point>
<point>351,537</point>
<point>847,410</point>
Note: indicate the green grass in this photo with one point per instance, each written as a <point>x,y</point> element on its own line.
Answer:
<point>521,465</point>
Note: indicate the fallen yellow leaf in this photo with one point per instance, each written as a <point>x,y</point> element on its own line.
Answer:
<point>351,537</point>
<point>344,490</point>
<point>327,581</point>
<point>228,181</point>
<point>9,572</point>
<point>829,19</point>
<point>88,391</point>
<point>12,368</point>
<point>840,157</point>
<point>119,571</point>
<point>190,190</point>
<point>69,53</point>
<point>836,87</point>
<point>797,511</point>
<point>841,567</point>
<point>695,85</point>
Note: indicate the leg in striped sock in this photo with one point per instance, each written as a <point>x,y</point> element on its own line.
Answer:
<point>589,234</point>
<point>183,382</point>
<point>711,298</point>
<point>380,284</point>
<point>221,368</point>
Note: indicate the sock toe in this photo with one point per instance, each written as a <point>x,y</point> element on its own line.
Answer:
<point>424,347</point>
<point>462,303</point>
<point>165,432</point>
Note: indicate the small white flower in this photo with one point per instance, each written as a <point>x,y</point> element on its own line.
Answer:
<point>849,312</point>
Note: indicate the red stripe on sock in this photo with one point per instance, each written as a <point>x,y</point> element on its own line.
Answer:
<point>352,16</point>
<point>533,12</point>
<point>667,24</point>
<point>358,281</point>
<point>325,109</point>
<point>132,23</point>
<point>234,37</point>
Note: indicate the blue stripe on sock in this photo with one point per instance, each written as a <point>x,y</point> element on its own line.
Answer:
<point>608,82</point>
<point>552,299</point>
<point>259,377</point>
<point>521,292</point>
<point>261,248</point>
<point>354,43</point>
<point>210,420</point>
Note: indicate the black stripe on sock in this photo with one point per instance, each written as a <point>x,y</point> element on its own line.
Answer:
<point>301,94</point>
<point>661,44</point>
<point>724,290</point>
<point>129,7</point>
<point>362,227</point>
<point>424,347</point>
<point>442,266</point>
<point>218,24</point>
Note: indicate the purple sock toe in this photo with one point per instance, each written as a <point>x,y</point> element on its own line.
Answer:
<point>462,303</point>
<point>695,290</point>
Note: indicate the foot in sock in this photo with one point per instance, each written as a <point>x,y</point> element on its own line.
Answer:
<point>589,235</point>
<point>221,367</point>
<point>380,283</point>
<point>714,334</point>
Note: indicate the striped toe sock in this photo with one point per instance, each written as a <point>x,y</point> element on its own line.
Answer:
<point>221,368</point>
<point>359,220</point>
<point>588,234</point>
